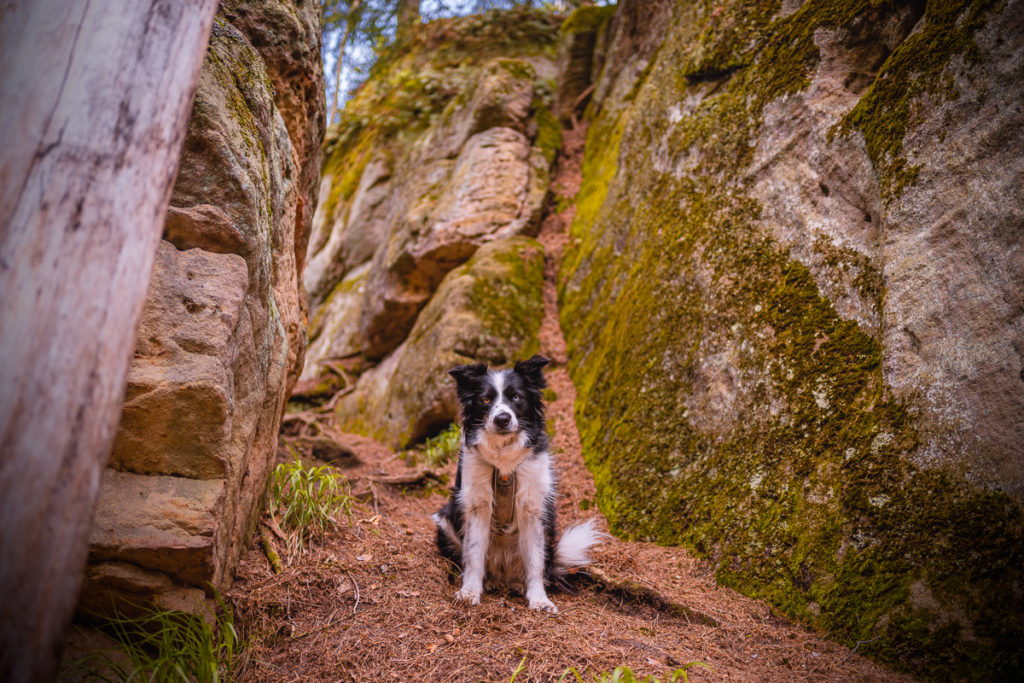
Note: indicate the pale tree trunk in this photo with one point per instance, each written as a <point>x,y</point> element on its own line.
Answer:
<point>94,98</point>
<point>354,18</point>
<point>408,15</point>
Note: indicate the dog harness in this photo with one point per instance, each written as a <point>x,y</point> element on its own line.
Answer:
<point>503,513</point>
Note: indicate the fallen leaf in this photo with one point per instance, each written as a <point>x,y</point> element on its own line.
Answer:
<point>365,558</point>
<point>431,647</point>
<point>409,594</point>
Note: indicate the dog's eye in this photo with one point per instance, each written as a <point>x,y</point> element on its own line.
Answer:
<point>486,401</point>
<point>516,397</point>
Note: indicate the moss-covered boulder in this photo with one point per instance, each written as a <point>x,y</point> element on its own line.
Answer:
<point>446,147</point>
<point>487,310</point>
<point>792,302</point>
<point>334,329</point>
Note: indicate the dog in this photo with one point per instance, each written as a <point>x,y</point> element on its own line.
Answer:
<point>498,526</point>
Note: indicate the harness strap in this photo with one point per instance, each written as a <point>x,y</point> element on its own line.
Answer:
<point>503,513</point>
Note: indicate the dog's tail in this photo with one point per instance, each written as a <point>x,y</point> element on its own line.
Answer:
<point>573,550</point>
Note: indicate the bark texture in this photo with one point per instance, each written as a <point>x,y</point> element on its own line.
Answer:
<point>96,97</point>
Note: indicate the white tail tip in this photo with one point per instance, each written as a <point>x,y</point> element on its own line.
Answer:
<point>573,549</point>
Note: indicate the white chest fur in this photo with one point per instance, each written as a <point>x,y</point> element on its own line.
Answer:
<point>504,452</point>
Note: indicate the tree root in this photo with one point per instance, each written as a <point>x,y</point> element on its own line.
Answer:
<point>268,549</point>
<point>416,478</point>
<point>326,449</point>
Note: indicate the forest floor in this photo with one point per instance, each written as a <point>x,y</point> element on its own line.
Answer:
<point>372,601</point>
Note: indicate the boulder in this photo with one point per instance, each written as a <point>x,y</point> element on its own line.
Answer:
<point>487,310</point>
<point>222,336</point>
<point>791,302</point>
<point>417,205</point>
<point>485,197</point>
<point>334,330</point>
<point>287,36</point>
<point>353,240</point>
<point>166,524</point>
<point>502,97</point>
<point>176,419</point>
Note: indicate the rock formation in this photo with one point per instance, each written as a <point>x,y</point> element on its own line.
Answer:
<point>792,302</point>
<point>430,184</point>
<point>222,336</point>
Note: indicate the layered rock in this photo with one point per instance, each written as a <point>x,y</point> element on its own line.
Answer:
<point>403,208</point>
<point>222,335</point>
<point>792,306</point>
<point>488,310</point>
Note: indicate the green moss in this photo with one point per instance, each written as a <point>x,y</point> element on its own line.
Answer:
<point>586,19</point>
<point>723,404</point>
<point>549,132</point>
<point>599,168</point>
<point>914,70</point>
<point>518,68</point>
<point>510,304</point>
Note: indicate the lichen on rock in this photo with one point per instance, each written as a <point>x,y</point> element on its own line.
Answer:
<point>748,271</point>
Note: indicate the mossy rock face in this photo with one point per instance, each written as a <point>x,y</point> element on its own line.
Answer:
<point>447,146</point>
<point>334,328</point>
<point>577,40</point>
<point>732,304</point>
<point>488,310</point>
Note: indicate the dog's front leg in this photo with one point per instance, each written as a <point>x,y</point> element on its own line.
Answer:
<point>477,510</point>
<point>531,548</point>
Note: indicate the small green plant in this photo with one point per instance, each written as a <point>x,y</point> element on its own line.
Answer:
<point>519,670</point>
<point>307,501</point>
<point>165,645</point>
<point>440,449</point>
<point>623,674</point>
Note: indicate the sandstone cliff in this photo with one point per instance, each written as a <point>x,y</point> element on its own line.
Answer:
<point>417,261</point>
<point>793,309</point>
<point>222,336</point>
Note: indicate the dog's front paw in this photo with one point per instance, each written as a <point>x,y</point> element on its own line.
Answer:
<point>542,604</point>
<point>467,595</point>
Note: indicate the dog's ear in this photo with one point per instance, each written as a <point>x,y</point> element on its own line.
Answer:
<point>466,379</point>
<point>532,369</point>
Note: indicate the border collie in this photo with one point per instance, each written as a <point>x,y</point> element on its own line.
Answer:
<point>499,524</point>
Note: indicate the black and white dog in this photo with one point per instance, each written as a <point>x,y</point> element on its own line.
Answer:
<point>499,523</point>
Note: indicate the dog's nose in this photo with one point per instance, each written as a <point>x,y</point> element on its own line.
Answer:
<point>502,420</point>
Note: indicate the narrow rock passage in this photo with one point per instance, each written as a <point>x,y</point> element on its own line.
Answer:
<point>371,602</point>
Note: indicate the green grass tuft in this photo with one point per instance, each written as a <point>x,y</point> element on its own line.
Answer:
<point>166,645</point>
<point>623,674</point>
<point>307,501</point>
<point>440,449</point>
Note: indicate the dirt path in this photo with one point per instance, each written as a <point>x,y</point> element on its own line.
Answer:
<point>372,602</point>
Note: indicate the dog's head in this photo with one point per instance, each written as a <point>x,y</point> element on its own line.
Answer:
<point>502,401</point>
